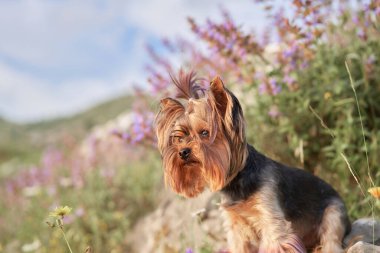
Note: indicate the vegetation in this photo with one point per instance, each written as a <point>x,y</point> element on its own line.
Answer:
<point>300,105</point>
<point>23,143</point>
<point>310,100</point>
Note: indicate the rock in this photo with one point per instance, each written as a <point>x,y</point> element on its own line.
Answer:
<point>179,224</point>
<point>363,247</point>
<point>365,230</point>
<point>196,225</point>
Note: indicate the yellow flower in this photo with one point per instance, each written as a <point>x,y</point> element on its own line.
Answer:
<point>327,95</point>
<point>60,212</point>
<point>375,191</point>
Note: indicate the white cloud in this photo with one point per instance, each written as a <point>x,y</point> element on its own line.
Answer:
<point>58,57</point>
<point>169,17</point>
<point>26,98</point>
<point>47,33</point>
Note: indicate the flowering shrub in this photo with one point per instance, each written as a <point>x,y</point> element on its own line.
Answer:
<point>109,185</point>
<point>293,82</point>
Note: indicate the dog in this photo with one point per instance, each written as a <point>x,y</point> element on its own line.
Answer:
<point>268,207</point>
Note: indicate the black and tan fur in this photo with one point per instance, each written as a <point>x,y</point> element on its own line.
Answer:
<point>268,207</point>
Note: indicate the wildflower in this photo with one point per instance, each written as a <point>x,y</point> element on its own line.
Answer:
<point>375,192</point>
<point>275,88</point>
<point>262,88</point>
<point>355,20</point>
<point>361,34</point>
<point>125,136</point>
<point>79,212</point>
<point>290,52</point>
<point>288,80</point>
<point>189,250</point>
<point>371,59</point>
<point>327,95</point>
<point>60,212</point>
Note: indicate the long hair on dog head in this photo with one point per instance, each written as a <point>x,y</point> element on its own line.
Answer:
<point>201,136</point>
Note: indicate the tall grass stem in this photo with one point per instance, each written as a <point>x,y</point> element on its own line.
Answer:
<point>371,201</point>
<point>361,123</point>
<point>67,242</point>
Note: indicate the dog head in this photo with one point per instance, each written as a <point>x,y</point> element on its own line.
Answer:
<point>201,136</point>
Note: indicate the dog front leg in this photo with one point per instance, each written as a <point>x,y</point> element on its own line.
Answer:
<point>292,244</point>
<point>240,237</point>
<point>239,243</point>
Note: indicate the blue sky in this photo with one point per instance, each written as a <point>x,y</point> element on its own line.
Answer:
<point>59,57</point>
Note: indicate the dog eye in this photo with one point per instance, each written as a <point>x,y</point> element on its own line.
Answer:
<point>177,139</point>
<point>204,133</point>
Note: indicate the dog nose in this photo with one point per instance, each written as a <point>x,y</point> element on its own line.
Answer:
<point>184,153</point>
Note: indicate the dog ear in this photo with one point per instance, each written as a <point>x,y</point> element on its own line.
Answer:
<point>219,95</point>
<point>170,110</point>
<point>169,102</point>
<point>230,114</point>
<point>227,106</point>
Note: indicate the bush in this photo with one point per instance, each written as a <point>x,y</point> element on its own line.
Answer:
<point>108,185</point>
<point>299,103</point>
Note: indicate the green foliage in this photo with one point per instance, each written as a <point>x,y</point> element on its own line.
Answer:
<point>24,142</point>
<point>319,119</point>
<point>104,210</point>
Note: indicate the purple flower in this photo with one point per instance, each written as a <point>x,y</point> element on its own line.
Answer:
<point>309,37</point>
<point>366,8</point>
<point>189,250</point>
<point>361,34</point>
<point>275,88</point>
<point>377,11</point>
<point>46,174</point>
<point>291,52</point>
<point>51,157</point>
<point>288,80</point>
<point>279,17</point>
<point>79,212</point>
<point>371,59</point>
<point>304,64</point>
<point>10,188</point>
<point>138,137</point>
<point>115,132</point>
<point>125,136</point>
<point>68,219</point>
<point>242,53</point>
<point>169,45</point>
<point>263,88</point>
<point>230,45</point>
<point>223,40</point>
<point>355,20</point>
<point>258,75</point>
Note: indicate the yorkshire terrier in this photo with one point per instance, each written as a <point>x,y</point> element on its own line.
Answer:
<point>269,207</point>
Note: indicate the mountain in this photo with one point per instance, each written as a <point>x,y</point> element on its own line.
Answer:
<point>24,142</point>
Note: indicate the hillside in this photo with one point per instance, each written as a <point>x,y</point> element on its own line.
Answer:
<point>12,137</point>
<point>24,142</point>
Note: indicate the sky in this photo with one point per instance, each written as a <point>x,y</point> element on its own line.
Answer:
<point>60,57</point>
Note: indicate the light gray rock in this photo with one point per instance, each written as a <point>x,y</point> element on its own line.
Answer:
<point>363,247</point>
<point>364,229</point>
<point>178,224</point>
